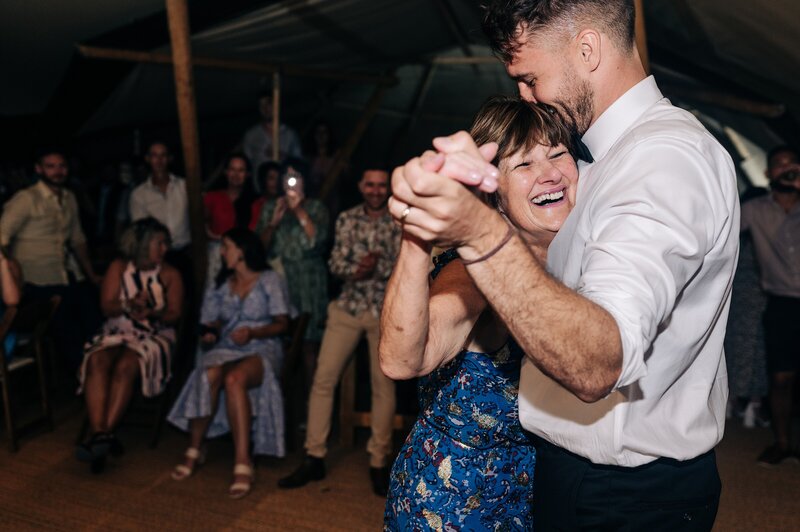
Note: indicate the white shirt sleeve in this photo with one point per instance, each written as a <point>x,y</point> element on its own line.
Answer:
<point>650,239</point>
<point>137,207</point>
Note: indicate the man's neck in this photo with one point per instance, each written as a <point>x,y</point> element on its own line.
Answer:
<point>786,199</point>
<point>375,213</point>
<point>159,180</point>
<point>55,189</point>
<point>626,75</point>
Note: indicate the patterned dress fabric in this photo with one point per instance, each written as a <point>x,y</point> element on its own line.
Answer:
<point>745,350</point>
<point>302,260</point>
<point>467,463</point>
<point>268,298</point>
<point>152,341</point>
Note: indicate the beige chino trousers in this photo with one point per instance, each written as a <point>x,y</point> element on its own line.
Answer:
<point>342,334</point>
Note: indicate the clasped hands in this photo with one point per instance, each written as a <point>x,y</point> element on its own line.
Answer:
<point>431,201</point>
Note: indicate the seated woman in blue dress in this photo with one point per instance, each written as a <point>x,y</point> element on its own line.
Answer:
<point>467,464</point>
<point>234,387</point>
<point>10,294</point>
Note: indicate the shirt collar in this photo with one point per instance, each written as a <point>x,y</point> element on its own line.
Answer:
<point>44,190</point>
<point>615,120</point>
<point>150,184</point>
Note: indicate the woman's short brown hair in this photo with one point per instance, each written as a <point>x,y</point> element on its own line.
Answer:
<point>134,242</point>
<point>516,125</point>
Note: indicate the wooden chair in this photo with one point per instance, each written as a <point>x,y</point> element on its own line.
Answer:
<point>292,379</point>
<point>31,323</point>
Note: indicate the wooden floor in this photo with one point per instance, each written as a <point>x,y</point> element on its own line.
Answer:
<point>43,487</point>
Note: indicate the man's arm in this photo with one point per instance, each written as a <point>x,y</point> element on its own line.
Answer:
<point>569,337</point>
<point>137,209</point>
<point>341,263</point>
<point>15,214</point>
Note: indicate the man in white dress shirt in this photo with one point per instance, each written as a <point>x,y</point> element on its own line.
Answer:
<point>624,385</point>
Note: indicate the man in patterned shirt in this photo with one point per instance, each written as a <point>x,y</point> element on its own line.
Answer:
<point>364,251</point>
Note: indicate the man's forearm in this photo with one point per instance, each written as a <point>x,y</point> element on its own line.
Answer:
<point>567,336</point>
<point>82,254</point>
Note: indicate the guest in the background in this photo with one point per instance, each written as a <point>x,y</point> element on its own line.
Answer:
<point>268,177</point>
<point>163,196</point>
<point>745,350</point>
<point>229,206</point>
<point>41,228</point>
<point>257,141</point>
<point>10,280</point>
<point>234,386</point>
<point>142,299</point>
<point>294,229</point>
<point>322,151</point>
<point>773,222</point>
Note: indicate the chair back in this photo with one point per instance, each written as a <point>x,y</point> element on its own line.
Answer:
<point>34,318</point>
<point>293,353</point>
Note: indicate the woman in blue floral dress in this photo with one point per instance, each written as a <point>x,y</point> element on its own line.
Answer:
<point>234,387</point>
<point>467,463</point>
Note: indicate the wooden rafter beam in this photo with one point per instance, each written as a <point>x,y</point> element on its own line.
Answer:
<point>234,64</point>
<point>727,101</point>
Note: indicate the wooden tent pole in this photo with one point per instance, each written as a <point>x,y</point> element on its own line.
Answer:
<point>178,15</point>
<point>641,36</point>
<point>349,147</point>
<point>276,116</point>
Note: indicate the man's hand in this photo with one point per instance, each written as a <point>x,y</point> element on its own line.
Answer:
<point>242,335</point>
<point>366,266</point>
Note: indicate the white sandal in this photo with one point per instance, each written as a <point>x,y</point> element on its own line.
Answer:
<point>240,489</point>
<point>182,471</point>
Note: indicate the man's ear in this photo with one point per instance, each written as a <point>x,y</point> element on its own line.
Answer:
<point>590,43</point>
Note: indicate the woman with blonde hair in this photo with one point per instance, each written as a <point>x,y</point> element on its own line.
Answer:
<point>141,297</point>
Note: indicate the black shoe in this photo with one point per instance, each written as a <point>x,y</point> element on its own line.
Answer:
<point>95,447</point>
<point>774,455</point>
<point>380,480</point>
<point>311,468</point>
<point>115,447</point>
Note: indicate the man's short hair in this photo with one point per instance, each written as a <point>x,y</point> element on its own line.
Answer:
<point>155,142</point>
<point>783,148</point>
<point>506,21</point>
<point>52,149</point>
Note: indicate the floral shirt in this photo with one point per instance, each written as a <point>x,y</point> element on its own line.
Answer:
<point>356,235</point>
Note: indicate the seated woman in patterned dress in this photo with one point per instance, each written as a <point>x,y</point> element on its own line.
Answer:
<point>141,297</point>
<point>234,387</point>
<point>467,464</point>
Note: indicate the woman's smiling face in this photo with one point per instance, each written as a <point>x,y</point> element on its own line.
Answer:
<point>536,189</point>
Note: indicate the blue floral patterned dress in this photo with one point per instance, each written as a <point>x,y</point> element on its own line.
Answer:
<point>467,463</point>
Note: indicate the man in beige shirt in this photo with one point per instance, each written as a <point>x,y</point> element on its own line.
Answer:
<point>41,228</point>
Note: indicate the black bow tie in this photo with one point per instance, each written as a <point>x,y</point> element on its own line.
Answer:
<point>581,150</point>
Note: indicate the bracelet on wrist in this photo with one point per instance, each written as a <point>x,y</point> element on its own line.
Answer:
<point>509,233</point>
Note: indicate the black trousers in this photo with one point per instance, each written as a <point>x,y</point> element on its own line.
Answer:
<point>571,493</point>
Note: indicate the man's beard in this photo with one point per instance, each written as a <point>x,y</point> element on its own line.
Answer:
<point>577,109</point>
<point>51,182</point>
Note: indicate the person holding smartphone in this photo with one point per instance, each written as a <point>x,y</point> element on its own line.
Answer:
<point>294,229</point>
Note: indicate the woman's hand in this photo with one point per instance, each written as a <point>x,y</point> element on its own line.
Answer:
<point>294,198</point>
<point>208,338</point>
<point>277,214</point>
<point>242,335</point>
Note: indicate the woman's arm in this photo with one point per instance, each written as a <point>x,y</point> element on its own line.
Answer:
<point>278,326</point>
<point>110,286</point>
<point>173,283</point>
<point>10,280</point>
<point>422,327</point>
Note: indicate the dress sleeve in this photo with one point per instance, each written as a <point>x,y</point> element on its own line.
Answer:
<point>275,287</point>
<point>212,303</point>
